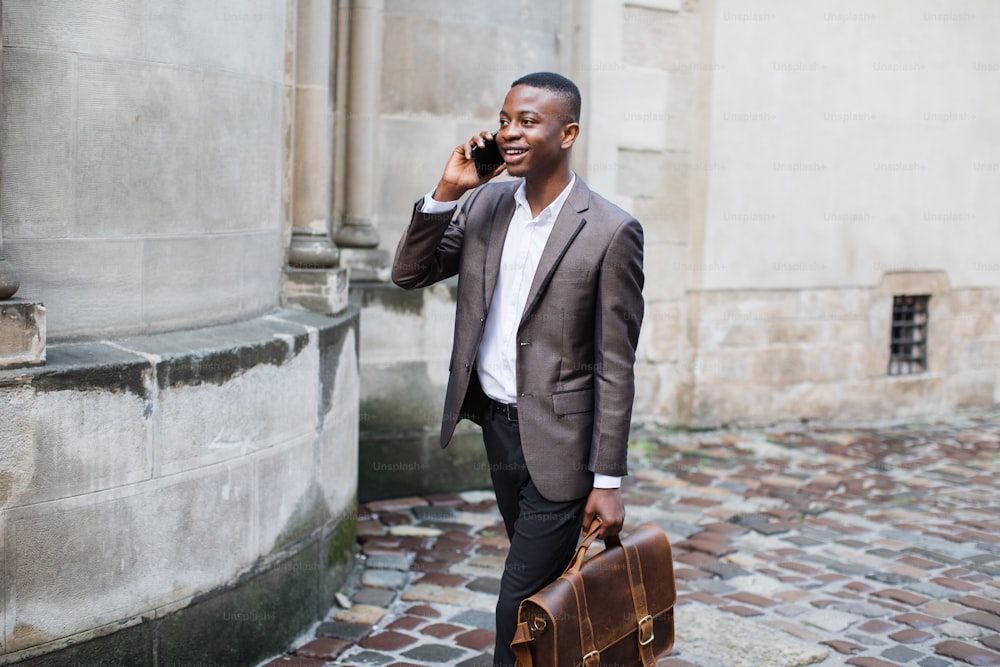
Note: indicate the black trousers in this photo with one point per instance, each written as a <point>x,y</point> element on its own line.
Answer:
<point>543,534</point>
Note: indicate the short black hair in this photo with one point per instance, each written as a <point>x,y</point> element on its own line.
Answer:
<point>565,89</point>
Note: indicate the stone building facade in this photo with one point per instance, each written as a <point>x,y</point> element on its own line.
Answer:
<point>186,185</point>
<point>796,166</point>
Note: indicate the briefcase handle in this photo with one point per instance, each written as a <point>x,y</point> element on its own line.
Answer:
<point>588,539</point>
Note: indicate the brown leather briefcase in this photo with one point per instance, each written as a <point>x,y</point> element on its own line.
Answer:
<point>615,609</point>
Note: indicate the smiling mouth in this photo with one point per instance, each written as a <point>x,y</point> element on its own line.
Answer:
<point>515,151</point>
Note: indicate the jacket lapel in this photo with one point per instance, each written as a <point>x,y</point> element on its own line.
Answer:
<point>564,231</point>
<point>503,211</point>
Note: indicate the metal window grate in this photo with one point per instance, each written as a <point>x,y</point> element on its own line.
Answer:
<point>908,344</point>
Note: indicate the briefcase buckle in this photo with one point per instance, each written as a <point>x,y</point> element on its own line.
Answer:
<point>593,655</point>
<point>646,630</point>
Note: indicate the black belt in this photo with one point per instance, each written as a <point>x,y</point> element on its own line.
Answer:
<point>507,410</point>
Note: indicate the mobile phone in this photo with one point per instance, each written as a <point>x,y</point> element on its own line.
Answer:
<point>487,159</point>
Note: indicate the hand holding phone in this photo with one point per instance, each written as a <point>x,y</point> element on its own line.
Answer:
<point>487,159</point>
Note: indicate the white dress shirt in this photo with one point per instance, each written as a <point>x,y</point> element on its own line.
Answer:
<point>522,250</point>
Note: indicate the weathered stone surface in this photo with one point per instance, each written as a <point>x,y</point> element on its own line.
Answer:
<point>22,333</point>
<point>315,290</point>
<point>70,499</point>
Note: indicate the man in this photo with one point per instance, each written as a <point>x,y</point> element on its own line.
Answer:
<point>547,320</point>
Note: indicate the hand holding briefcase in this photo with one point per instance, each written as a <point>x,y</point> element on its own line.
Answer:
<point>617,608</point>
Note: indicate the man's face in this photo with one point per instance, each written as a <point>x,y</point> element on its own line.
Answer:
<point>535,133</point>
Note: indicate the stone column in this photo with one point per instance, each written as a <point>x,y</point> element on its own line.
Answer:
<point>311,245</point>
<point>357,237</point>
<point>9,282</point>
<point>22,323</point>
<point>312,280</point>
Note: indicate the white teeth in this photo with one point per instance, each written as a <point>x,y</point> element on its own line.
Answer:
<point>513,152</point>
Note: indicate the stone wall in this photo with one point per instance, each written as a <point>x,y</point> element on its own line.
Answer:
<point>404,370</point>
<point>142,161</point>
<point>823,354</point>
<point>178,475</point>
<point>197,485</point>
<point>792,166</point>
<point>847,163</point>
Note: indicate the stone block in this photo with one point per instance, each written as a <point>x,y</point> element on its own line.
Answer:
<point>78,425</point>
<point>260,275</point>
<point>245,624</point>
<point>793,332</point>
<point>239,161</point>
<point>77,276</point>
<point>136,148</point>
<point>734,333</point>
<point>644,123</point>
<point>411,153</point>
<point>22,333</point>
<point>338,440</point>
<point>971,388</point>
<point>372,264</point>
<point>722,403</point>
<point>224,392</point>
<point>315,290</point>
<point>667,268</point>
<point>290,504</point>
<point>662,333</point>
<point>805,400</point>
<point>404,463</point>
<point>428,315</point>
<point>650,22</point>
<point>400,395</point>
<point>36,143</point>
<point>779,365</point>
<point>130,645</point>
<point>105,27</point>
<point>90,560</point>
<point>832,305</point>
<point>829,363</point>
<point>389,466</point>
<point>413,49</point>
<point>658,389</point>
<point>730,365</point>
<point>174,268</point>
<point>214,36</point>
<point>479,79</point>
<point>480,12</point>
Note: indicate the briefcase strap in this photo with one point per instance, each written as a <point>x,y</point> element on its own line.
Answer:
<point>588,647</point>
<point>520,645</point>
<point>643,619</point>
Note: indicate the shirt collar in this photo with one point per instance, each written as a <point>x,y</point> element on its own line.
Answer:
<point>550,212</point>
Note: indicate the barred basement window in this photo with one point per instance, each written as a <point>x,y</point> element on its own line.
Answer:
<point>908,345</point>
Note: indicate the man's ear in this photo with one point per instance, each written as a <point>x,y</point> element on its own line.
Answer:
<point>570,131</point>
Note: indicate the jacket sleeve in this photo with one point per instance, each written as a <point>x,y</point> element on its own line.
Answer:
<point>619,315</point>
<point>431,247</point>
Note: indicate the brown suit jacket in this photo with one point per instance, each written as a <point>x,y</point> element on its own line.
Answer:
<point>576,339</point>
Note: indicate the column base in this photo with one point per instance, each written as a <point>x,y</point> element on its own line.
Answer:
<point>22,333</point>
<point>367,264</point>
<point>312,251</point>
<point>315,290</point>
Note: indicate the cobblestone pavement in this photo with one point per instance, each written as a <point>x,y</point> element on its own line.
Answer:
<point>871,547</point>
